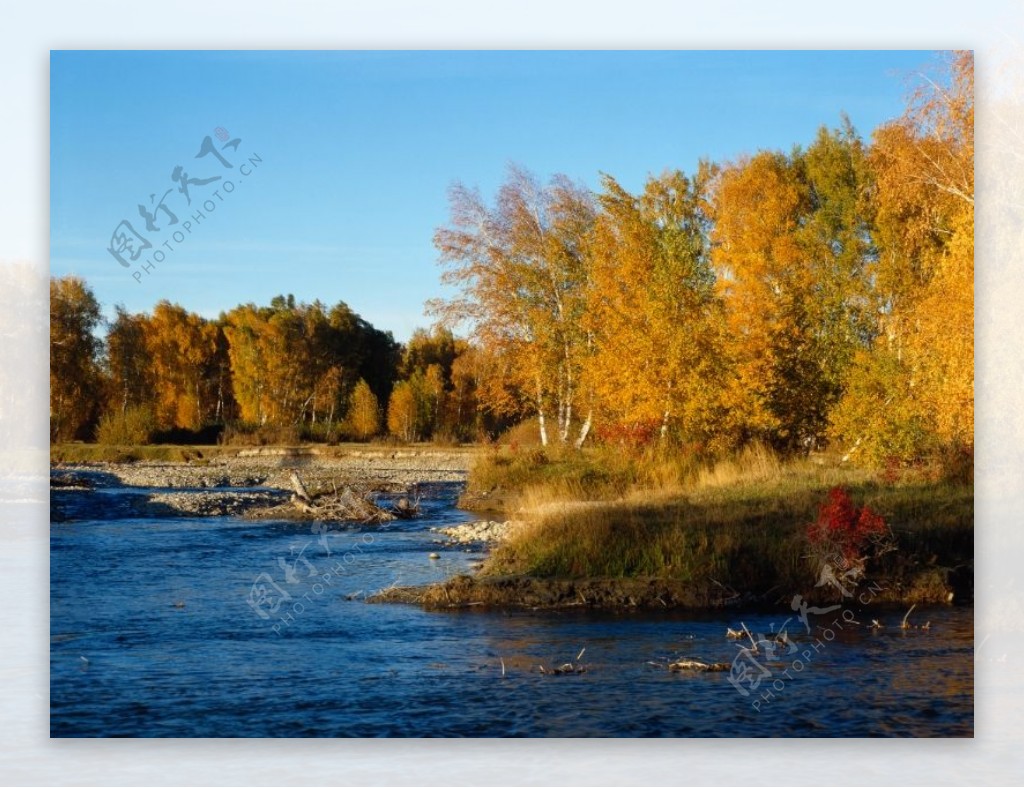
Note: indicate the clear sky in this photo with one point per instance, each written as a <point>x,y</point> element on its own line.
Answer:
<point>358,149</point>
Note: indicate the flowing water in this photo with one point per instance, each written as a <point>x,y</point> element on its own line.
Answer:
<point>156,631</point>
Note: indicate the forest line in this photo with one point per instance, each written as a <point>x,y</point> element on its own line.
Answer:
<point>821,296</point>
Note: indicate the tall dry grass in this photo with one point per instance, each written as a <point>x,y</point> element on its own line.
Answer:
<point>738,521</point>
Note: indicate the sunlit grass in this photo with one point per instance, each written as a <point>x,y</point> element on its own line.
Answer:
<point>740,521</point>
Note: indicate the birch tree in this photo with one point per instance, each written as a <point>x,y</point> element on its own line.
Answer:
<point>652,312</point>
<point>519,267</point>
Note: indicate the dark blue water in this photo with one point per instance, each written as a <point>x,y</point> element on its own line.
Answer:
<point>152,634</point>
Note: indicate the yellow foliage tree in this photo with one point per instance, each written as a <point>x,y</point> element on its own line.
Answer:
<point>364,412</point>
<point>181,347</point>
<point>651,312</point>
<point>402,412</point>
<point>923,359</point>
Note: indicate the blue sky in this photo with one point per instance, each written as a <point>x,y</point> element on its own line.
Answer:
<point>358,149</point>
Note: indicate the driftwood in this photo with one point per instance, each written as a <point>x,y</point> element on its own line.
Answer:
<point>906,621</point>
<point>572,668</point>
<point>347,504</point>
<point>300,488</point>
<point>700,667</point>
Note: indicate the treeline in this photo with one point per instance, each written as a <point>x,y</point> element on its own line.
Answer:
<point>284,372</point>
<point>821,295</point>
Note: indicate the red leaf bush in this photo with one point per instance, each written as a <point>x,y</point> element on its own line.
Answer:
<point>844,532</point>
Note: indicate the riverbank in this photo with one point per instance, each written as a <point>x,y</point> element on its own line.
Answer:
<point>608,532</point>
<point>242,482</point>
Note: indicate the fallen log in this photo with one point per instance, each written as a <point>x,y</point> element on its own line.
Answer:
<point>700,667</point>
<point>300,488</point>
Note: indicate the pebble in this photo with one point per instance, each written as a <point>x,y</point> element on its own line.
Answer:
<point>481,531</point>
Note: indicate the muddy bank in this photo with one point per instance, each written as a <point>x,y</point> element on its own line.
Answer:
<point>929,587</point>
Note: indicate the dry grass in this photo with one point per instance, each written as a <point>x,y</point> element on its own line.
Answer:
<point>739,521</point>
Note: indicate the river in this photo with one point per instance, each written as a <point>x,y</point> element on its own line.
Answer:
<point>156,631</point>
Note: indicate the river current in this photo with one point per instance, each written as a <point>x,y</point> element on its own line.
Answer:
<point>221,627</point>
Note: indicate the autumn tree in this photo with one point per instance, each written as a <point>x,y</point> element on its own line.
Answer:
<point>294,363</point>
<point>520,268</point>
<point>245,327</point>
<point>651,312</point>
<point>364,412</point>
<point>437,347</point>
<point>793,252</point>
<point>129,368</point>
<point>916,388</point>
<point>75,352</point>
<point>402,412</point>
<point>181,347</point>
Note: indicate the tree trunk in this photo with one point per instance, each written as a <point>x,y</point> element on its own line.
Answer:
<point>540,416</point>
<point>584,430</point>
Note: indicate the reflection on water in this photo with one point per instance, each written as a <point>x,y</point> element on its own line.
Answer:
<point>152,634</point>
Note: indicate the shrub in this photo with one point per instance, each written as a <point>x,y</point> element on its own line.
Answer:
<point>843,533</point>
<point>131,427</point>
<point>245,434</point>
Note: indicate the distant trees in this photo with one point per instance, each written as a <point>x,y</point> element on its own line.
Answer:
<point>297,363</point>
<point>364,412</point>
<point>284,365</point>
<point>404,412</point>
<point>75,354</point>
<point>181,348</point>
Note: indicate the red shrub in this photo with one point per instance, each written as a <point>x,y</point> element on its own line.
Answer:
<point>843,528</point>
<point>632,436</point>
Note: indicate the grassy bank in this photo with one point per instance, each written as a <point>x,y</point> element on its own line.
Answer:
<point>737,525</point>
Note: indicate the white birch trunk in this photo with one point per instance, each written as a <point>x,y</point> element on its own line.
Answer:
<point>540,415</point>
<point>584,430</point>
